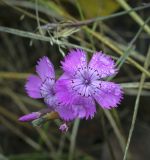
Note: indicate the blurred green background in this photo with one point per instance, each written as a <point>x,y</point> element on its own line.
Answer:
<point>123,37</point>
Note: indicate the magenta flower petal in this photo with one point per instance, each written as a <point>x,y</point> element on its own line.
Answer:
<point>45,68</point>
<point>63,91</point>
<point>66,112</point>
<point>33,86</point>
<point>103,64</point>
<point>72,104</point>
<point>75,58</point>
<point>108,94</point>
<point>84,107</point>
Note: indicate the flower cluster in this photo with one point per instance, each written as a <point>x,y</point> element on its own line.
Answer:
<point>82,84</point>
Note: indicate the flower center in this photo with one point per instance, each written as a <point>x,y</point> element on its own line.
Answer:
<point>87,82</point>
<point>82,83</point>
<point>47,91</point>
<point>47,87</point>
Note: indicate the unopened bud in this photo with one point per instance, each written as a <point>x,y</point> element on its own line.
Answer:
<point>30,117</point>
<point>63,127</point>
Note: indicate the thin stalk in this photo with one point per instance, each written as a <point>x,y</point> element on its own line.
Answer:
<point>40,37</point>
<point>13,75</point>
<point>122,59</point>
<point>146,64</point>
<point>134,15</point>
<point>130,85</point>
<point>23,108</point>
<point>96,19</point>
<point>27,13</point>
<point>11,116</point>
<point>97,35</point>
<point>37,17</point>
<point>106,136</point>
<point>73,139</point>
<point>110,44</point>
<point>16,131</point>
<point>116,129</point>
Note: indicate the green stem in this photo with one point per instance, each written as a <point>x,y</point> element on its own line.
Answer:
<point>116,129</point>
<point>134,15</point>
<point>136,105</point>
<point>13,75</point>
<point>73,139</point>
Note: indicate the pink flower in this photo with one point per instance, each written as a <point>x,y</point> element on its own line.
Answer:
<point>83,83</point>
<point>74,94</point>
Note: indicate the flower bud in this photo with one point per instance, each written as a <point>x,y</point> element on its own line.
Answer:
<point>30,117</point>
<point>63,127</point>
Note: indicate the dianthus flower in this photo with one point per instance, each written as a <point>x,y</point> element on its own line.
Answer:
<point>43,86</point>
<point>74,94</point>
<point>83,83</point>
